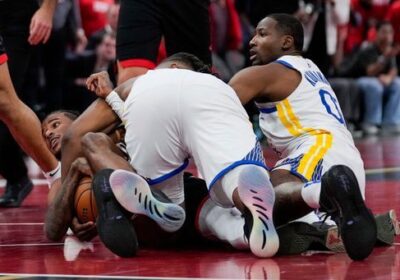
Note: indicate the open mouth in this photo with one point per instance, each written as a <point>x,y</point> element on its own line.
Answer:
<point>54,142</point>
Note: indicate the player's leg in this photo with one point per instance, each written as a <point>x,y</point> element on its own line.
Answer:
<point>113,223</point>
<point>138,38</point>
<point>338,194</point>
<point>187,28</point>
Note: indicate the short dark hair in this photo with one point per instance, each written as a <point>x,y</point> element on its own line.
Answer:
<point>192,61</point>
<point>382,23</point>
<point>289,25</point>
<point>71,114</point>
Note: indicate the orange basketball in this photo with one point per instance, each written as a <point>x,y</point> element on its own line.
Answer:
<point>85,203</point>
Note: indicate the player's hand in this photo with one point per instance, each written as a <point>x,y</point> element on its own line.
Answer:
<point>81,165</point>
<point>84,232</point>
<point>100,84</point>
<point>40,27</point>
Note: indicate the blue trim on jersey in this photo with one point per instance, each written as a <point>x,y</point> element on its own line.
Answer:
<point>294,164</point>
<point>255,157</point>
<point>284,63</point>
<point>268,110</point>
<point>168,175</point>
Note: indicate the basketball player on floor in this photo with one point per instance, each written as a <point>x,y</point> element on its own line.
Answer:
<point>319,166</point>
<point>60,213</point>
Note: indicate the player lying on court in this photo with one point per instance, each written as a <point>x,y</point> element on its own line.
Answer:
<point>319,166</point>
<point>61,215</point>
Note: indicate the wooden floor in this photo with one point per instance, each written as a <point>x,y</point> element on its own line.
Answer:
<point>24,251</point>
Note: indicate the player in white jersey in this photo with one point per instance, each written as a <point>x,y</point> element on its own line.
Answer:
<point>319,166</point>
<point>171,115</point>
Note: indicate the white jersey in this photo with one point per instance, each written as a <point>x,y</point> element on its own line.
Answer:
<point>308,128</point>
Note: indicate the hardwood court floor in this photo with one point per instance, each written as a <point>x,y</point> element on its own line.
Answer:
<point>25,252</point>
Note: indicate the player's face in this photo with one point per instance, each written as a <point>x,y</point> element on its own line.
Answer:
<point>53,129</point>
<point>266,45</point>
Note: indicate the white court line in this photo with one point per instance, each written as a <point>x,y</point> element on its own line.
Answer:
<point>34,181</point>
<point>31,244</point>
<point>382,170</point>
<point>103,276</point>
<point>21,224</point>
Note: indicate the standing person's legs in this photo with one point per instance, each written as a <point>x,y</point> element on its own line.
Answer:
<point>372,91</point>
<point>187,28</point>
<point>391,109</point>
<point>138,37</point>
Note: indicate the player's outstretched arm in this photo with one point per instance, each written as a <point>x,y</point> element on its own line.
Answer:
<point>61,201</point>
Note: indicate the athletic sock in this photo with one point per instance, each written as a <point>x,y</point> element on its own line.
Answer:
<point>53,175</point>
<point>310,192</point>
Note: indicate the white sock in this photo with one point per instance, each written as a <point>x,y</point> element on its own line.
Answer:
<point>310,193</point>
<point>53,175</point>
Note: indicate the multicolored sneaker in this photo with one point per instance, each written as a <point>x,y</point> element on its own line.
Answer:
<point>113,223</point>
<point>258,196</point>
<point>135,195</point>
<point>341,199</point>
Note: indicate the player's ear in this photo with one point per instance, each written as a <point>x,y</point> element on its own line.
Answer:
<point>174,65</point>
<point>287,42</point>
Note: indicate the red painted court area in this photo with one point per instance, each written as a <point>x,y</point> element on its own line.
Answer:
<point>25,252</point>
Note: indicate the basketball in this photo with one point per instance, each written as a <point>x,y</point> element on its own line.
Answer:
<point>85,203</point>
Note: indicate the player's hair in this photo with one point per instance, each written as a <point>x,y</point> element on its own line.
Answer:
<point>190,60</point>
<point>383,23</point>
<point>71,114</point>
<point>289,25</point>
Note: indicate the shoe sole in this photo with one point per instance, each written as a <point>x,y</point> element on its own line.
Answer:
<point>297,237</point>
<point>388,227</point>
<point>134,194</point>
<point>357,224</point>
<point>115,229</point>
<point>257,194</point>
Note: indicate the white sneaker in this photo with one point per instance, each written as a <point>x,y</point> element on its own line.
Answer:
<point>135,195</point>
<point>257,194</point>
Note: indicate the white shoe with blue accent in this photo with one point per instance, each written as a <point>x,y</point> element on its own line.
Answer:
<point>134,194</point>
<point>257,194</point>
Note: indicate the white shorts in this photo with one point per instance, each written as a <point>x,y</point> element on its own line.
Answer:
<point>173,114</point>
<point>340,153</point>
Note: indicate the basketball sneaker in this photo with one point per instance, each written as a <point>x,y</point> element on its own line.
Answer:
<point>341,199</point>
<point>15,194</point>
<point>113,223</point>
<point>258,196</point>
<point>134,194</point>
<point>388,227</point>
<point>298,237</point>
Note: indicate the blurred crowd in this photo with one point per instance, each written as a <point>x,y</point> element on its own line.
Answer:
<point>355,43</point>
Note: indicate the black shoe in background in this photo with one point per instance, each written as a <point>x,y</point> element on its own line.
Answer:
<point>16,193</point>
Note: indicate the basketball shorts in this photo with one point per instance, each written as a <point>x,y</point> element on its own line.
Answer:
<point>142,23</point>
<point>341,153</point>
<point>174,114</point>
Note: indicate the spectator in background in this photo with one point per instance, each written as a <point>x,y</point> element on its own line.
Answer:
<point>94,14</point>
<point>111,27</point>
<point>226,38</point>
<point>81,65</point>
<point>376,66</point>
<point>320,19</point>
